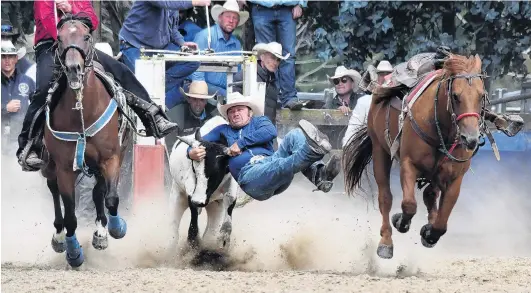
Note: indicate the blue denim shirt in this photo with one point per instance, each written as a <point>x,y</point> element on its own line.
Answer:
<point>148,24</point>
<point>271,3</point>
<point>255,138</point>
<point>17,87</point>
<point>219,44</point>
<point>190,30</point>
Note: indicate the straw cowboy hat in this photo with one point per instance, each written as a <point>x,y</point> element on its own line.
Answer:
<point>230,5</point>
<point>198,89</point>
<point>8,48</point>
<point>237,99</point>
<point>273,48</point>
<point>384,66</point>
<point>343,71</point>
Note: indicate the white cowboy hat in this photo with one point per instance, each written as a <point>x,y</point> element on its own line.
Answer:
<point>237,99</point>
<point>273,48</point>
<point>343,71</point>
<point>230,5</point>
<point>8,48</point>
<point>384,66</point>
<point>198,89</point>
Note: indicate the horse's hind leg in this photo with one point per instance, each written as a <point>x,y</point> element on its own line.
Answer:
<point>111,171</point>
<point>58,239</point>
<point>99,238</point>
<point>408,178</point>
<point>74,252</point>
<point>430,195</point>
<point>382,171</point>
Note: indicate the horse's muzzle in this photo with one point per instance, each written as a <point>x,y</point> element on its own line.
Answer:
<point>74,75</point>
<point>470,141</point>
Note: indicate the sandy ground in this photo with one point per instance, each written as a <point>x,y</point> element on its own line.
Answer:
<point>298,241</point>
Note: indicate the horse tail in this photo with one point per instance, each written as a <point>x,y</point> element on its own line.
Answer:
<point>357,154</point>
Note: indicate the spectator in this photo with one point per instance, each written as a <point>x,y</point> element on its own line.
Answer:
<point>384,71</point>
<point>270,56</point>
<point>276,21</point>
<point>346,82</point>
<point>187,27</point>
<point>10,33</point>
<point>194,112</point>
<point>227,18</point>
<point>154,25</point>
<point>16,89</point>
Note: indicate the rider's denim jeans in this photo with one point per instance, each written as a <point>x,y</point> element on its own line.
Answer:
<point>176,72</point>
<point>273,175</point>
<point>278,25</point>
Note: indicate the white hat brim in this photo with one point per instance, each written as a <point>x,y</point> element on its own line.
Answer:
<point>350,73</point>
<point>222,109</point>
<point>197,96</point>
<point>217,10</point>
<point>264,49</point>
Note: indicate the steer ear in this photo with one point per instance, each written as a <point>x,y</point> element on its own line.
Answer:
<point>198,135</point>
<point>187,140</point>
<point>226,151</point>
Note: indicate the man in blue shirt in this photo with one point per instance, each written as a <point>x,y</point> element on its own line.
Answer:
<point>154,25</point>
<point>16,89</point>
<point>187,27</point>
<point>261,172</point>
<point>228,17</point>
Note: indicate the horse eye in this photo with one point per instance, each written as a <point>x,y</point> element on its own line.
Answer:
<point>455,97</point>
<point>87,37</point>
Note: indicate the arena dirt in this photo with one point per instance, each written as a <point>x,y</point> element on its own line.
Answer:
<point>298,241</point>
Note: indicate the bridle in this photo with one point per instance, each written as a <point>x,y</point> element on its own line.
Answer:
<point>88,57</point>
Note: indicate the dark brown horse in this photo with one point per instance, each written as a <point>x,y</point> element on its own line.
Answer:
<point>82,136</point>
<point>440,134</point>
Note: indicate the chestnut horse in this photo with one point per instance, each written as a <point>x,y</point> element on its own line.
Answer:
<point>440,133</point>
<point>81,135</point>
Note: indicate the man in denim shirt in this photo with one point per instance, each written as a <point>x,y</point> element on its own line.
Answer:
<point>276,21</point>
<point>153,25</point>
<point>228,17</point>
<point>261,172</point>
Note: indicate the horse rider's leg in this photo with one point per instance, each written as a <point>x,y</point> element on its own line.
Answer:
<point>382,170</point>
<point>322,175</point>
<point>508,124</point>
<point>408,178</point>
<point>74,252</point>
<point>110,169</point>
<point>430,233</point>
<point>193,230</point>
<point>99,238</point>
<point>430,195</point>
<point>58,239</point>
<point>153,117</point>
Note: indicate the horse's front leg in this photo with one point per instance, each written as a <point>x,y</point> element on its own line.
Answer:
<point>58,238</point>
<point>74,251</point>
<point>193,230</point>
<point>382,171</point>
<point>430,195</point>
<point>430,233</point>
<point>99,238</point>
<point>408,178</point>
<point>179,204</point>
<point>111,172</point>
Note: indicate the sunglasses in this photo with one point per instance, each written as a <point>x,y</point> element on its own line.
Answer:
<point>343,80</point>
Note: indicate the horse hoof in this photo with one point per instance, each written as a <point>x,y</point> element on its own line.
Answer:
<point>426,244</point>
<point>76,261</point>
<point>117,227</point>
<point>385,251</point>
<point>99,242</point>
<point>59,243</point>
<point>400,224</point>
<point>426,238</point>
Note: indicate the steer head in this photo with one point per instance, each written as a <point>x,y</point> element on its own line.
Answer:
<point>210,171</point>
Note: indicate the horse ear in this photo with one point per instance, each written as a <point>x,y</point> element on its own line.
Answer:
<point>186,140</point>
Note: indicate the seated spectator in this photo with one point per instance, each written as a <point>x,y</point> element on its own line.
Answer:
<point>9,33</point>
<point>227,18</point>
<point>187,27</point>
<point>346,83</point>
<point>16,90</point>
<point>270,56</point>
<point>194,112</point>
<point>148,24</point>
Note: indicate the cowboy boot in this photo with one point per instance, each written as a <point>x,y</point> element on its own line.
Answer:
<point>508,124</point>
<point>317,141</point>
<point>29,153</point>
<point>152,116</point>
<point>322,175</point>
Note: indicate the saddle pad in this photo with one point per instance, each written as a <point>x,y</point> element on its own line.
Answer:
<point>419,89</point>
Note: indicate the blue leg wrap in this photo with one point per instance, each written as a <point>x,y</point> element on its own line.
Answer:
<point>117,227</point>
<point>74,252</point>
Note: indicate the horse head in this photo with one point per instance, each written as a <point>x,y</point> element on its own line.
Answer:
<point>466,96</point>
<point>75,49</point>
<point>210,171</point>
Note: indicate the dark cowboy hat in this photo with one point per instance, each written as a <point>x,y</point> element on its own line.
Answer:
<point>8,30</point>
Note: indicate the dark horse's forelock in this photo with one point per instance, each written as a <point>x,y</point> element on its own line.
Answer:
<point>457,64</point>
<point>82,17</point>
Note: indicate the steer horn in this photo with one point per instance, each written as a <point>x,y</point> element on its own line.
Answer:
<point>187,140</point>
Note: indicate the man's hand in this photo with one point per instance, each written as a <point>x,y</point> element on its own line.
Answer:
<point>191,45</point>
<point>234,150</point>
<point>197,154</point>
<point>201,2</point>
<point>13,106</point>
<point>344,109</point>
<point>297,11</point>
<point>64,6</point>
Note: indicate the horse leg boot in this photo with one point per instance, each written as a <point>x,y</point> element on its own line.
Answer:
<point>509,124</point>
<point>110,169</point>
<point>153,117</point>
<point>322,175</point>
<point>29,153</point>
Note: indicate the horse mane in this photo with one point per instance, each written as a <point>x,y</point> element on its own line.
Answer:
<point>457,64</point>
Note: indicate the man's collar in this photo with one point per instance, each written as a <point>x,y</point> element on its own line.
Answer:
<point>12,77</point>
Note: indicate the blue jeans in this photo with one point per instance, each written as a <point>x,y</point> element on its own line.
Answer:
<point>278,25</point>
<point>176,72</point>
<point>273,175</point>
